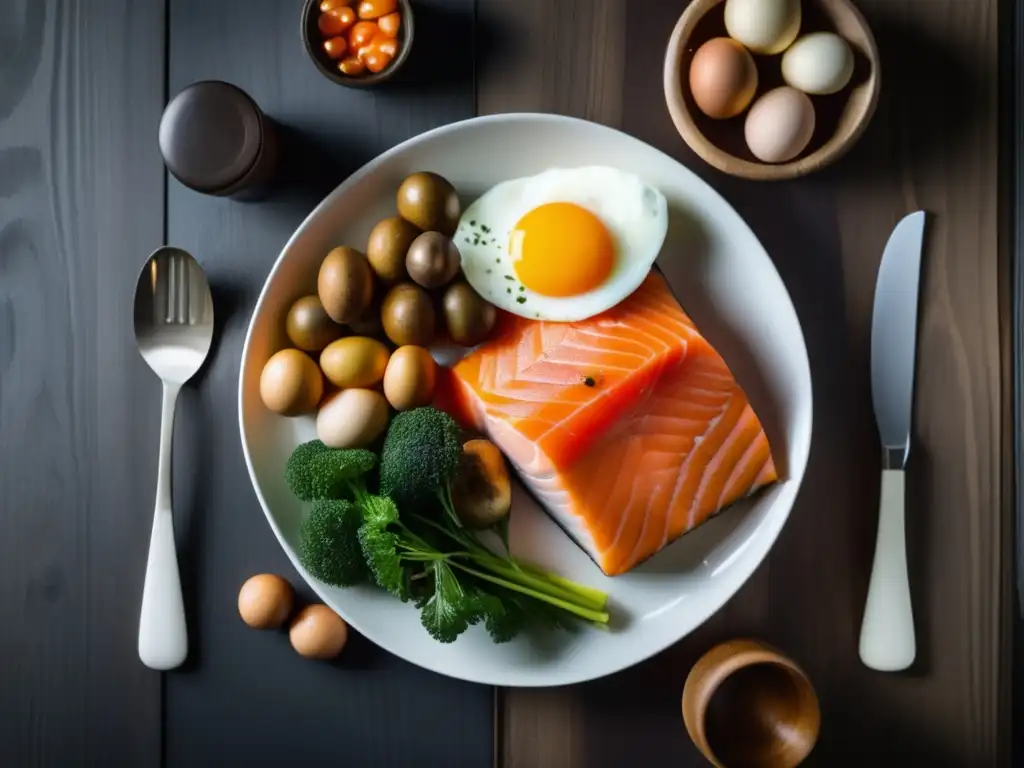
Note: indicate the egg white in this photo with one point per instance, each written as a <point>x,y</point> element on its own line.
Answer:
<point>635,214</point>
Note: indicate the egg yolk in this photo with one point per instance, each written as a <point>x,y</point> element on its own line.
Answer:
<point>561,249</point>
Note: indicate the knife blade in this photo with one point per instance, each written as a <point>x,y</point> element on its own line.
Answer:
<point>887,640</point>
<point>894,337</point>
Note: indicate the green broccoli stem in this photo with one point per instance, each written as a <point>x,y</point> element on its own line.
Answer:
<point>540,581</point>
<point>536,578</point>
<point>599,617</point>
<point>358,489</point>
<point>444,495</point>
<point>595,596</point>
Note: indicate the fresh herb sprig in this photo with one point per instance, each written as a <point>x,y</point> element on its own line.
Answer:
<point>411,540</point>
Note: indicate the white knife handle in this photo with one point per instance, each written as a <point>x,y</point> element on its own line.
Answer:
<point>887,632</point>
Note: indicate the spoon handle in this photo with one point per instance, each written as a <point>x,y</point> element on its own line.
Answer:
<point>163,638</point>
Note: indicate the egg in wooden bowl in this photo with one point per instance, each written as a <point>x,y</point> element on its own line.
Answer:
<point>771,89</point>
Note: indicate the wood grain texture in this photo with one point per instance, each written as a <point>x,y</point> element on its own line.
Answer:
<point>934,143</point>
<point>245,697</point>
<point>81,206</point>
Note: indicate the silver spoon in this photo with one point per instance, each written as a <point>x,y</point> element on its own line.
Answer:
<point>174,329</point>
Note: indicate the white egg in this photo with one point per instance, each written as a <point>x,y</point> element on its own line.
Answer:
<point>763,26</point>
<point>779,125</point>
<point>589,241</point>
<point>818,63</point>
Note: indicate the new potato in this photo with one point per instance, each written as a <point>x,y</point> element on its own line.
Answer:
<point>387,246</point>
<point>407,315</point>
<point>355,361</point>
<point>468,317</point>
<point>309,327</point>
<point>345,284</point>
<point>430,202</point>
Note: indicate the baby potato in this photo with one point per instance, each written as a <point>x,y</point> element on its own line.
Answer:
<point>469,318</point>
<point>345,284</point>
<point>317,632</point>
<point>309,327</point>
<point>430,202</point>
<point>352,418</point>
<point>432,260</point>
<point>265,601</point>
<point>482,493</point>
<point>409,378</point>
<point>355,361</point>
<point>407,314</point>
<point>291,383</point>
<point>386,248</point>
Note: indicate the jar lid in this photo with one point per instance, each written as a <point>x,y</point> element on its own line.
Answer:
<point>210,135</point>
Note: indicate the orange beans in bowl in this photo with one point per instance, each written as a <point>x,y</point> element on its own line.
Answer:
<point>357,42</point>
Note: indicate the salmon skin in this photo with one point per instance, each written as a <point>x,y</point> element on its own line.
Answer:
<point>628,427</point>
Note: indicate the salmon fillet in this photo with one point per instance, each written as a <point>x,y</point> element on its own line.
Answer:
<point>628,427</point>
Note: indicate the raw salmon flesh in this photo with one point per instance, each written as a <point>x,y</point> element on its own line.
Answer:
<point>628,427</point>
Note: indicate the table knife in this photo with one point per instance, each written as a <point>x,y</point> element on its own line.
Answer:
<point>887,640</point>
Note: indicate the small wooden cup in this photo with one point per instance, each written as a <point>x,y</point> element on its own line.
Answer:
<point>840,118</point>
<point>746,704</point>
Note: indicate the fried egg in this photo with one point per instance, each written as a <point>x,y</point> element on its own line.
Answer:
<point>565,244</point>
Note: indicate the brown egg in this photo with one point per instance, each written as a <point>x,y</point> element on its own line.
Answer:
<point>430,202</point>
<point>345,284</point>
<point>265,601</point>
<point>407,314</point>
<point>317,632</point>
<point>723,78</point>
<point>386,248</point>
<point>308,325</point>
<point>410,377</point>
<point>355,361</point>
<point>291,383</point>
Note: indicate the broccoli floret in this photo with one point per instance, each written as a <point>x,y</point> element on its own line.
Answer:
<point>314,471</point>
<point>329,547</point>
<point>420,457</point>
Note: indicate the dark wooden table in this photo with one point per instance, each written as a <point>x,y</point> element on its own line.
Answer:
<point>84,198</point>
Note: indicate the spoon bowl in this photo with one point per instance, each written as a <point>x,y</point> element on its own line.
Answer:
<point>174,331</point>
<point>173,314</point>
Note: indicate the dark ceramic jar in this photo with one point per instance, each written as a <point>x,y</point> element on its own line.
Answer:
<point>215,139</point>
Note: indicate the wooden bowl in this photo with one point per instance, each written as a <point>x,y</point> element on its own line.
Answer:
<point>840,118</point>
<point>313,41</point>
<point>746,704</point>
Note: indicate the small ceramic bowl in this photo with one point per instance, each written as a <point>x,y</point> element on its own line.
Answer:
<point>746,704</point>
<point>313,41</point>
<point>840,118</point>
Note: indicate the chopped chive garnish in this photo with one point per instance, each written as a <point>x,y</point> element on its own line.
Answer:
<point>509,277</point>
<point>508,290</point>
<point>521,299</point>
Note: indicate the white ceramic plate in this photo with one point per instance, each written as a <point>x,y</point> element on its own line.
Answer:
<point>723,278</point>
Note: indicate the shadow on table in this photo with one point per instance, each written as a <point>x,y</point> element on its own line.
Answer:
<point>931,94</point>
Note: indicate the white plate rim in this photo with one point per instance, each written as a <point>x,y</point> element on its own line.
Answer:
<point>764,542</point>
